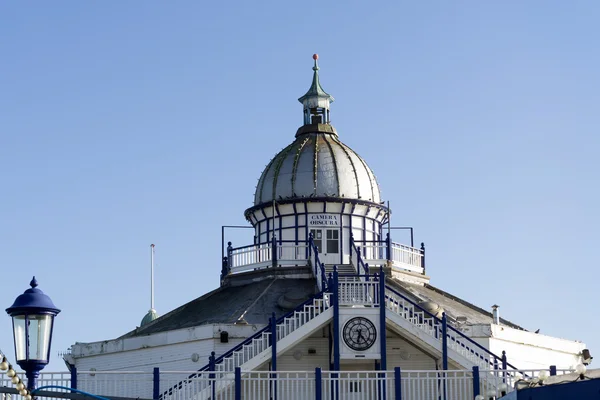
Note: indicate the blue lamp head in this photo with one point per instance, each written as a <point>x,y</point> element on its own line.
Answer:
<point>33,315</point>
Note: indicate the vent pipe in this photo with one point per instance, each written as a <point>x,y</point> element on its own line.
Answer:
<point>495,314</point>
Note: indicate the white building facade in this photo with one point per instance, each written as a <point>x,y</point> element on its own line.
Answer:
<point>324,299</point>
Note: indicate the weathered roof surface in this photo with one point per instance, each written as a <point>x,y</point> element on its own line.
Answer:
<point>257,296</point>
<point>254,301</point>
<point>452,305</point>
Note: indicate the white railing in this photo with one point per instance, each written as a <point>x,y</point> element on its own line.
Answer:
<point>284,328</point>
<point>45,379</point>
<point>289,254</point>
<point>260,256</point>
<point>374,253</point>
<point>116,383</point>
<point>291,385</point>
<point>490,379</point>
<point>357,292</point>
<point>223,385</point>
<point>406,257</point>
<point>402,257</point>
<point>359,385</point>
<point>199,382</point>
<point>432,384</point>
<point>432,326</point>
<point>249,257</point>
<point>412,314</point>
<point>288,385</point>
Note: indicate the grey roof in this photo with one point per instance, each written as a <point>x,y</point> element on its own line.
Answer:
<point>255,302</point>
<point>254,296</point>
<point>452,305</point>
<point>317,164</point>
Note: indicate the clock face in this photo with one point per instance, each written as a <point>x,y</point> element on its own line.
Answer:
<point>359,334</point>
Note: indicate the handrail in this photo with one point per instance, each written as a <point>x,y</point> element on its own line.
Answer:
<point>266,245</point>
<point>451,328</point>
<point>248,340</point>
<point>312,248</point>
<point>359,259</point>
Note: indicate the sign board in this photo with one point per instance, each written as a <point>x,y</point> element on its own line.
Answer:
<point>323,220</point>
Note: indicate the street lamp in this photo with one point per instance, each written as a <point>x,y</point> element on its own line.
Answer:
<point>33,318</point>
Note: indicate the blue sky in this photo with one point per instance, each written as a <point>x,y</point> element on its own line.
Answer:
<point>129,123</point>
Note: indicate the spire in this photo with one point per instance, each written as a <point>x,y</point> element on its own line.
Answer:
<point>316,101</point>
<point>152,314</point>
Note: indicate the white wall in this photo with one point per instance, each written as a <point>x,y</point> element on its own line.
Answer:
<point>527,350</point>
<point>171,350</point>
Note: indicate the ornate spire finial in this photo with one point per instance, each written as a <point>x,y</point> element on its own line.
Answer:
<point>316,101</point>
<point>33,283</point>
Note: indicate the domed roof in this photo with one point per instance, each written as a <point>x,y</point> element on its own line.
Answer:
<point>317,164</point>
<point>149,317</point>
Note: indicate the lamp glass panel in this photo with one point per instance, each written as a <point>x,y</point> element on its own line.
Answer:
<point>40,328</point>
<point>19,335</point>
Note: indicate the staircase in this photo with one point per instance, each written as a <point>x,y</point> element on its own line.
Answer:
<point>344,269</point>
<point>255,351</point>
<point>428,330</point>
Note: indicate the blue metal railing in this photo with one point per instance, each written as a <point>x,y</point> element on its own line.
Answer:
<point>209,368</point>
<point>493,359</point>
<point>318,266</point>
<point>359,261</point>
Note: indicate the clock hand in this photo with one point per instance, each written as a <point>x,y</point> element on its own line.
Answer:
<point>360,336</point>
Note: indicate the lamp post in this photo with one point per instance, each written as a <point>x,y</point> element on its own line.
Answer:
<point>33,315</point>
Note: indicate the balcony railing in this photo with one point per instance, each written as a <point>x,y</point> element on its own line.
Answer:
<point>376,253</point>
<point>290,385</point>
<point>259,256</point>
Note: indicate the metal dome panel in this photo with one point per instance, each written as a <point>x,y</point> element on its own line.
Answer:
<point>317,165</point>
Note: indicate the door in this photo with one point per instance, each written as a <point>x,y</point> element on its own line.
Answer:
<point>328,243</point>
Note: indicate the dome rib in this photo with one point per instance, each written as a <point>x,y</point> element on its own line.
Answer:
<point>295,166</point>
<point>371,178</point>
<point>281,158</point>
<point>345,150</point>
<point>335,168</point>
<point>262,180</point>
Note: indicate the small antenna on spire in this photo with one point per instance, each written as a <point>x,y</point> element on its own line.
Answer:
<point>152,277</point>
<point>151,315</point>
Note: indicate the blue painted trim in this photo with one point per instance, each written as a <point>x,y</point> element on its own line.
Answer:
<point>354,202</point>
<point>211,375</point>
<point>475,381</point>
<point>74,377</point>
<point>341,239</point>
<point>382,308</point>
<point>34,391</point>
<point>336,322</point>
<point>295,223</point>
<point>273,343</point>
<point>330,338</point>
<point>553,370</point>
<point>318,384</point>
<point>155,383</point>
<point>238,383</point>
<point>397,383</point>
<point>444,342</point>
<point>273,252</point>
<point>364,226</point>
